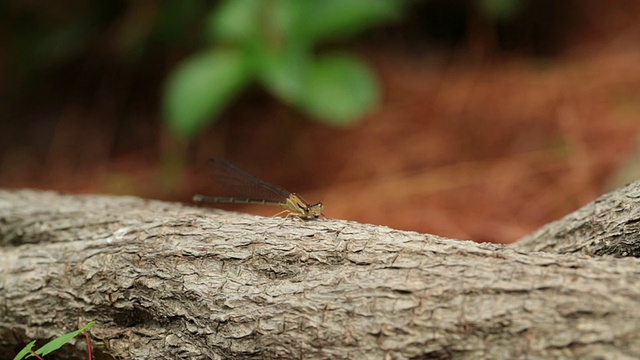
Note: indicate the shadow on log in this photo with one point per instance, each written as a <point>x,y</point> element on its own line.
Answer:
<point>164,280</point>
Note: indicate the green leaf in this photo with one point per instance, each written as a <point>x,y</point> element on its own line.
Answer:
<point>26,350</point>
<point>340,18</point>
<point>283,73</point>
<point>283,55</point>
<point>235,21</point>
<point>281,20</point>
<point>339,90</point>
<point>200,88</point>
<point>57,343</point>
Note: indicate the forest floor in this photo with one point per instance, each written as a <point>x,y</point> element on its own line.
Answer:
<point>485,150</point>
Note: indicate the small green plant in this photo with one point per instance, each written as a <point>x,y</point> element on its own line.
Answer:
<point>272,42</point>
<point>54,344</point>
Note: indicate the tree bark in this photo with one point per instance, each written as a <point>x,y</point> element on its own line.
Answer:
<point>165,280</point>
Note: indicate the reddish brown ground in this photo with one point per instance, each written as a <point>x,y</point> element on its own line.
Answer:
<point>487,150</point>
<point>487,153</point>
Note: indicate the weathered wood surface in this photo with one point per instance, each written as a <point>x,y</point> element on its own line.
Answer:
<point>609,225</point>
<point>163,280</point>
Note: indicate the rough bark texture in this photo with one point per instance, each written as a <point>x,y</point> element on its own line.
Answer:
<point>164,280</point>
<point>608,226</point>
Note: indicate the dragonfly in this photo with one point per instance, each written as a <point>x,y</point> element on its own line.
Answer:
<point>252,190</point>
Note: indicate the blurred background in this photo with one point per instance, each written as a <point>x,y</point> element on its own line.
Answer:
<point>476,119</point>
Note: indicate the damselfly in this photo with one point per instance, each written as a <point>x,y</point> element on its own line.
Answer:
<point>251,190</point>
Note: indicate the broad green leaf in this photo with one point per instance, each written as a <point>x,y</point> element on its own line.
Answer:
<point>236,21</point>
<point>57,343</point>
<point>339,90</point>
<point>283,73</point>
<point>340,18</point>
<point>201,87</point>
<point>281,21</point>
<point>283,57</point>
<point>26,350</point>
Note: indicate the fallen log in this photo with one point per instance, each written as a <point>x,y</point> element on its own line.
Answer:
<point>166,280</point>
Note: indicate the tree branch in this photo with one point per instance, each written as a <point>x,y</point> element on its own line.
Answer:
<point>163,280</point>
<point>607,226</point>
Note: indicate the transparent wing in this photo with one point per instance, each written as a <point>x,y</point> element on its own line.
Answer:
<point>242,184</point>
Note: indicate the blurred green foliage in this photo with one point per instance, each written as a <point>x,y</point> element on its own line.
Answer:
<point>272,42</point>
<point>275,43</point>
